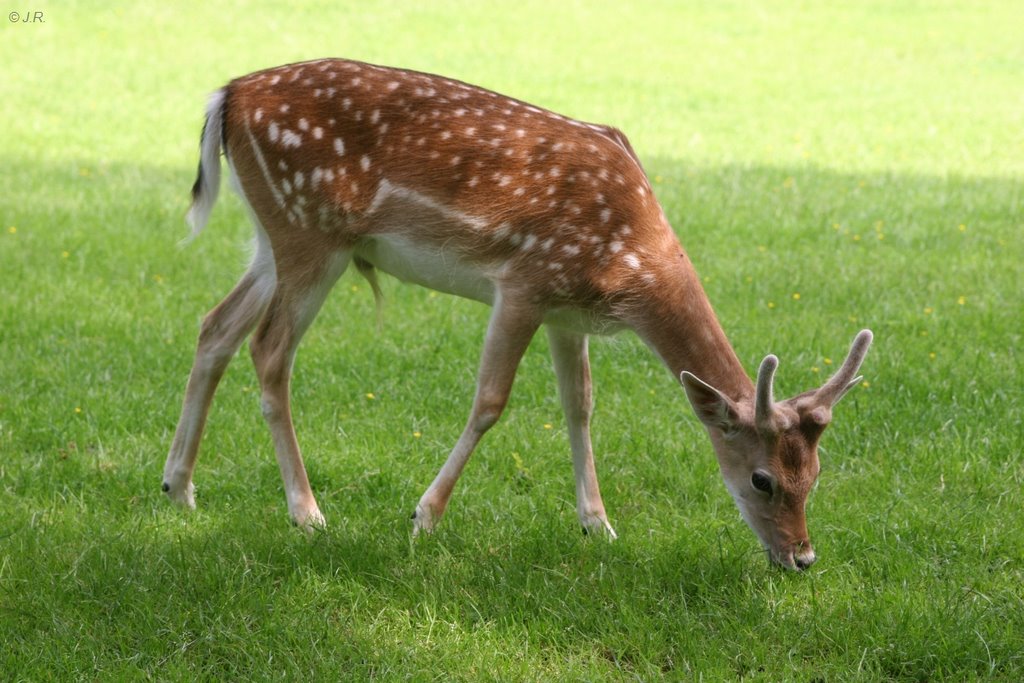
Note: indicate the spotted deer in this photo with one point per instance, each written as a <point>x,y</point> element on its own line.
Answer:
<point>546,219</point>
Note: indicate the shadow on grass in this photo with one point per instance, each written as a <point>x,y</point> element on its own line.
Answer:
<point>93,558</point>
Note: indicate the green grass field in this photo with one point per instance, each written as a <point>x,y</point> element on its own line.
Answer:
<point>827,169</point>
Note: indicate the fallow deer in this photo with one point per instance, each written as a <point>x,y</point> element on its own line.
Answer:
<point>546,219</point>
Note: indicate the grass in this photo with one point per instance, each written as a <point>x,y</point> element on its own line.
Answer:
<point>827,169</point>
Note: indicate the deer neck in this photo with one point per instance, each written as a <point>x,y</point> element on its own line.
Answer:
<point>676,321</point>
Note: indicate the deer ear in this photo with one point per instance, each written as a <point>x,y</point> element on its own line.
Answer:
<point>714,408</point>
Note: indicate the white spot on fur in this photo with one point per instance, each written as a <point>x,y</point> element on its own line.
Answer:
<point>339,146</point>
<point>303,125</point>
<point>606,215</point>
<point>284,108</point>
<point>615,247</point>
<point>299,180</point>
<point>257,115</point>
<point>318,132</point>
<point>364,163</point>
<point>273,132</point>
<point>631,260</point>
<point>290,139</point>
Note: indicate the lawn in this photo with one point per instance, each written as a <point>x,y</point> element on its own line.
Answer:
<point>827,169</point>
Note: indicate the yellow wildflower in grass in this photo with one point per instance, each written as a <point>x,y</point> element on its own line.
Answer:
<point>771,304</point>
<point>814,368</point>
<point>12,230</point>
<point>547,425</point>
<point>932,355</point>
<point>77,409</point>
<point>865,384</point>
<point>761,248</point>
<point>856,238</point>
<point>961,300</point>
<point>962,228</point>
<point>928,310</point>
<point>796,296</point>
<point>416,435</point>
<point>828,361</point>
<point>370,396</point>
<point>65,254</point>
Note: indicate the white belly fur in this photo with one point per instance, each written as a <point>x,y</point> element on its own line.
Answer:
<point>391,249</point>
<point>435,268</point>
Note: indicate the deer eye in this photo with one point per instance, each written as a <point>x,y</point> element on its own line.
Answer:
<point>761,481</point>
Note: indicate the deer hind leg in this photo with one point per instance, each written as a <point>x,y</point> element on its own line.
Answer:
<point>512,325</point>
<point>222,333</point>
<point>295,302</point>
<point>572,367</point>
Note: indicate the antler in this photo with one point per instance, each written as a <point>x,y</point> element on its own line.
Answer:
<point>764,402</point>
<point>844,380</point>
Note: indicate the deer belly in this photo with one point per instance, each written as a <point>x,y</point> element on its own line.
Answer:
<point>430,266</point>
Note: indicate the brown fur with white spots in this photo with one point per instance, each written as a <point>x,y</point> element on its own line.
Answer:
<point>547,219</point>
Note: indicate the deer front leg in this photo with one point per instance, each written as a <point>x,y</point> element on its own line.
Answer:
<point>572,366</point>
<point>513,323</point>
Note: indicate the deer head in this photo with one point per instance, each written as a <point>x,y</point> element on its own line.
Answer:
<point>768,450</point>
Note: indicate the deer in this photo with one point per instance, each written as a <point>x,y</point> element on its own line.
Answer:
<point>548,220</point>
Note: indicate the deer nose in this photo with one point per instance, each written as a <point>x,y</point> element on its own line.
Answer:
<point>804,558</point>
